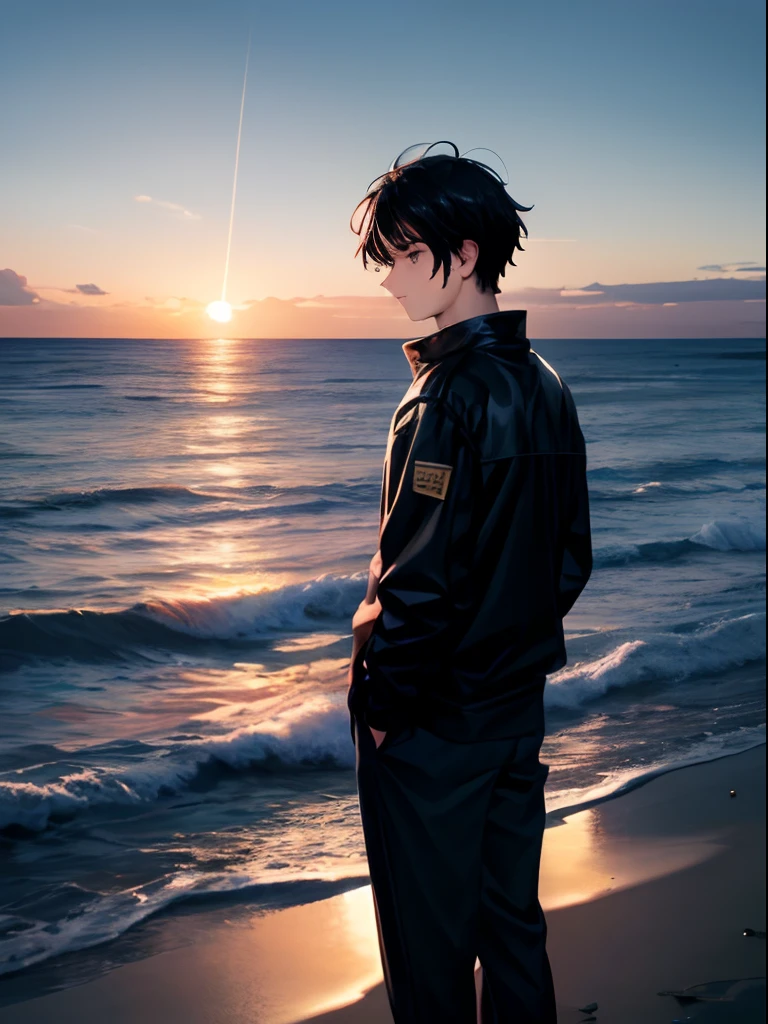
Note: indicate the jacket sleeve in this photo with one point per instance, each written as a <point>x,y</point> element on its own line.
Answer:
<point>426,548</point>
<point>577,553</point>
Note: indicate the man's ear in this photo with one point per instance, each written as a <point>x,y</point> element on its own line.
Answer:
<point>468,256</point>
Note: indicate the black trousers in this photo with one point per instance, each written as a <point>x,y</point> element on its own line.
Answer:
<point>453,835</point>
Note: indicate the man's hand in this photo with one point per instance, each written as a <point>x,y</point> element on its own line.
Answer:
<point>362,626</point>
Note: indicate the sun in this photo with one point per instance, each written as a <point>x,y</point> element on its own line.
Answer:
<point>220,311</point>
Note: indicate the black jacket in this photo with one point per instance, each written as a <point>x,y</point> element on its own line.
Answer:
<point>485,539</point>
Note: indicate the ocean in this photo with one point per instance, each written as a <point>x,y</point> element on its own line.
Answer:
<point>185,531</point>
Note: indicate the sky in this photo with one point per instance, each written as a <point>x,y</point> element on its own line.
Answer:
<point>635,129</point>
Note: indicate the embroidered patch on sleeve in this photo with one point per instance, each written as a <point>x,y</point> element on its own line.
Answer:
<point>431,478</point>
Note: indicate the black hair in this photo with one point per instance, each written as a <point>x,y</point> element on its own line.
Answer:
<point>442,201</point>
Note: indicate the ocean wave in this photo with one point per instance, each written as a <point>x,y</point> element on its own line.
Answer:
<point>665,489</point>
<point>316,734</point>
<point>178,624</point>
<point>673,470</point>
<point>94,917</point>
<point>250,616</point>
<point>318,738</point>
<point>719,535</point>
<point>182,623</point>
<point>99,496</point>
<point>125,496</point>
<point>564,802</point>
<point>8,452</point>
<point>355,492</point>
<point>100,917</point>
<point>62,387</point>
<point>666,657</point>
<point>731,535</point>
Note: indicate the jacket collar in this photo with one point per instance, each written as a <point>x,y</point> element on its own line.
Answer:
<point>505,329</point>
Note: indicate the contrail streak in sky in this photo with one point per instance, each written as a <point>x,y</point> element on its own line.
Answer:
<point>234,183</point>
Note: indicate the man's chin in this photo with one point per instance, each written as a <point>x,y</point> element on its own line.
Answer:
<point>417,319</point>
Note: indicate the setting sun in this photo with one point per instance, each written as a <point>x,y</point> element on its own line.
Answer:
<point>220,311</point>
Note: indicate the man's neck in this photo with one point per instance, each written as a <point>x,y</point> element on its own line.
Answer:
<point>469,302</point>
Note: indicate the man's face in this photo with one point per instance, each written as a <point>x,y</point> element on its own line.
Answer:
<point>409,280</point>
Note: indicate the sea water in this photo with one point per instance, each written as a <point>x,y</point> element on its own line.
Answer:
<point>185,531</point>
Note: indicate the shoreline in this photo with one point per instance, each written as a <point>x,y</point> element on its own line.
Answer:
<point>647,890</point>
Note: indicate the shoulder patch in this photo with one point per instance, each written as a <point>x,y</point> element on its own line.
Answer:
<point>431,478</point>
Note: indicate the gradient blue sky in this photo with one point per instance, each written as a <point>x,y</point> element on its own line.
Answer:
<point>636,129</point>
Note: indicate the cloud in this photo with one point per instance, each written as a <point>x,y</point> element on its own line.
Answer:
<point>79,289</point>
<point>13,290</point>
<point>691,309</point>
<point>741,267</point>
<point>173,207</point>
<point>663,292</point>
<point>90,289</point>
<point>591,296</point>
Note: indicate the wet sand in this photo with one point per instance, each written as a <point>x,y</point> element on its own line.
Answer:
<point>645,893</point>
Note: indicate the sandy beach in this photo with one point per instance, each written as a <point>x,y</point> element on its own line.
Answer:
<point>646,893</point>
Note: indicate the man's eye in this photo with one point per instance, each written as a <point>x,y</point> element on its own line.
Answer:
<point>415,253</point>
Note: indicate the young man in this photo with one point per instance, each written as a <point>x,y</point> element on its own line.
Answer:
<point>484,546</point>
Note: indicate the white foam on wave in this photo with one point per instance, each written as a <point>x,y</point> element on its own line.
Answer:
<point>333,598</point>
<point>315,734</point>
<point>741,534</point>
<point>108,916</point>
<point>33,804</point>
<point>313,730</point>
<point>301,606</point>
<point>715,647</point>
<point>112,914</point>
<point>253,614</point>
<point>311,736</point>
<point>563,802</point>
<point>731,535</point>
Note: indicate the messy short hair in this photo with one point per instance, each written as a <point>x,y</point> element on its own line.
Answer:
<point>441,201</point>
